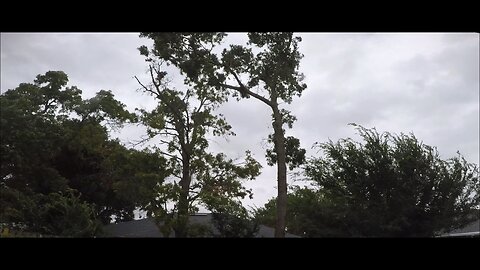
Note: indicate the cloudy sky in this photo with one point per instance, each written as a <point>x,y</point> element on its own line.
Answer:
<point>423,83</point>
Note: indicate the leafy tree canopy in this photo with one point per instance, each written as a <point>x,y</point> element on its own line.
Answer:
<point>385,186</point>
<point>53,143</point>
<point>182,121</point>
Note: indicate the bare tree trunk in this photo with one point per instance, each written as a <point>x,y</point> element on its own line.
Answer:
<point>279,138</point>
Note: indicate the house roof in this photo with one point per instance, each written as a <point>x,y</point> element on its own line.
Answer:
<point>135,228</point>
<point>471,229</point>
<point>148,228</point>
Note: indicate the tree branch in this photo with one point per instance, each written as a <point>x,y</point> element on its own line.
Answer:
<point>146,88</point>
<point>245,90</point>
<point>142,141</point>
<point>170,155</point>
<point>165,142</point>
<point>169,122</point>
<point>47,105</point>
<point>166,133</point>
<point>195,125</point>
<point>180,123</point>
<point>193,198</point>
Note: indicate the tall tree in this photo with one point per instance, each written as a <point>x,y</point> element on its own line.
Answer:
<point>182,120</point>
<point>393,186</point>
<point>273,71</point>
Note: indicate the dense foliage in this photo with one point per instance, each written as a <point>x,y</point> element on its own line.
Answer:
<point>54,143</point>
<point>386,186</point>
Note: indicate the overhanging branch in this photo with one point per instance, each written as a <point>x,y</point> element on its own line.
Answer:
<point>245,90</point>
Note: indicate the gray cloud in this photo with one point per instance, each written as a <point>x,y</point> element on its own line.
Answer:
<point>427,84</point>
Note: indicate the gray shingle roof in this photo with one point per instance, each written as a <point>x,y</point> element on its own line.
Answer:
<point>265,231</point>
<point>471,229</point>
<point>135,228</point>
<point>148,228</point>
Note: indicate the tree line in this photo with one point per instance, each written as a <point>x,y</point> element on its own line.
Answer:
<point>63,175</point>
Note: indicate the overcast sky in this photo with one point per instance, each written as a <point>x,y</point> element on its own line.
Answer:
<point>423,83</point>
